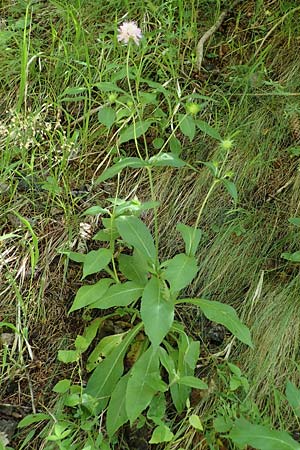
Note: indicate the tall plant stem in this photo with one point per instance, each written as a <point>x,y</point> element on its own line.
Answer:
<point>215,182</point>
<point>153,198</point>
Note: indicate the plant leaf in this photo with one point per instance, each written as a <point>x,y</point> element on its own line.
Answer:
<point>260,437</point>
<point>134,131</point>
<point>94,211</point>
<point>106,86</point>
<point>33,418</point>
<point>157,408</point>
<point>195,421</point>
<point>293,257</point>
<point>135,163</point>
<point>68,356</point>
<point>293,397</point>
<point>175,145</point>
<point>95,261</point>
<point>192,382</point>
<point>103,349</point>
<point>139,393</point>
<point>134,268</point>
<point>116,413</point>
<point>166,160</point>
<point>207,129</point>
<point>191,237</point>
<point>107,116</point>
<point>74,256</point>
<point>231,188</point>
<point>295,221</point>
<point>223,314</point>
<point>62,386</point>
<point>134,232</point>
<point>180,271</point>
<point>121,294</point>
<point>157,312</point>
<point>106,375</point>
<point>90,294</point>
<point>162,433</point>
<point>187,126</point>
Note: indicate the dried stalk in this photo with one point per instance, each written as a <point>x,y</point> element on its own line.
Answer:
<point>209,33</point>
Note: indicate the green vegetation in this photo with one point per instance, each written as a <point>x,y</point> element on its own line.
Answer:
<point>149,245</point>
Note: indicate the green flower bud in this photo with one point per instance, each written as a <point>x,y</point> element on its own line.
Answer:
<point>193,108</point>
<point>112,98</point>
<point>227,144</point>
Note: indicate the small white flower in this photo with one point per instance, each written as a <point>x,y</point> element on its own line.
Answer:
<point>129,30</point>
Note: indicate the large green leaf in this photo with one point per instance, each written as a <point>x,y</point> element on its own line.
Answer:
<point>134,232</point>
<point>135,163</point>
<point>90,294</point>
<point>180,271</point>
<point>134,268</point>
<point>121,294</point>
<point>157,311</point>
<point>223,314</point>
<point>260,437</point>
<point>191,237</point>
<point>106,375</point>
<point>139,393</point>
<point>95,261</point>
<point>116,413</point>
<point>293,397</point>
<point>134,131</point>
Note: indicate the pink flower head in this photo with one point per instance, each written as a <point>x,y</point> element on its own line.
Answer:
<point>129,30</point>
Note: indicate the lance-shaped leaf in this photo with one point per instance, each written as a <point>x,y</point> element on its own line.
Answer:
<point>294,257</point>
<point>134,131</point>
<point>106,116</point>
<point>90,294</point>
<point>95,261</point>
<point>166,160</point>
<point>139,393</point>
<point>106,375</point>
<point>187,126</point>
<point>260,437</point>
<point>116,413</point>
<point>191,237</point>
<point>223,314</point>
<point>134,268</point>
<point>180,271</point>
<point>293,397</point>
<point>135,163</point>
<point>121,294</point>
<point>295,221</point>
<point>207,129</point>
<point>134,232</point>
<point>231,188</point>
<point>157,311</point>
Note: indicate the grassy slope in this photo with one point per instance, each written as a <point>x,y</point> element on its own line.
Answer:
<point>67,46</point>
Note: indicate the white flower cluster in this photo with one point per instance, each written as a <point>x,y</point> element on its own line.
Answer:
<point>129,31</point>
